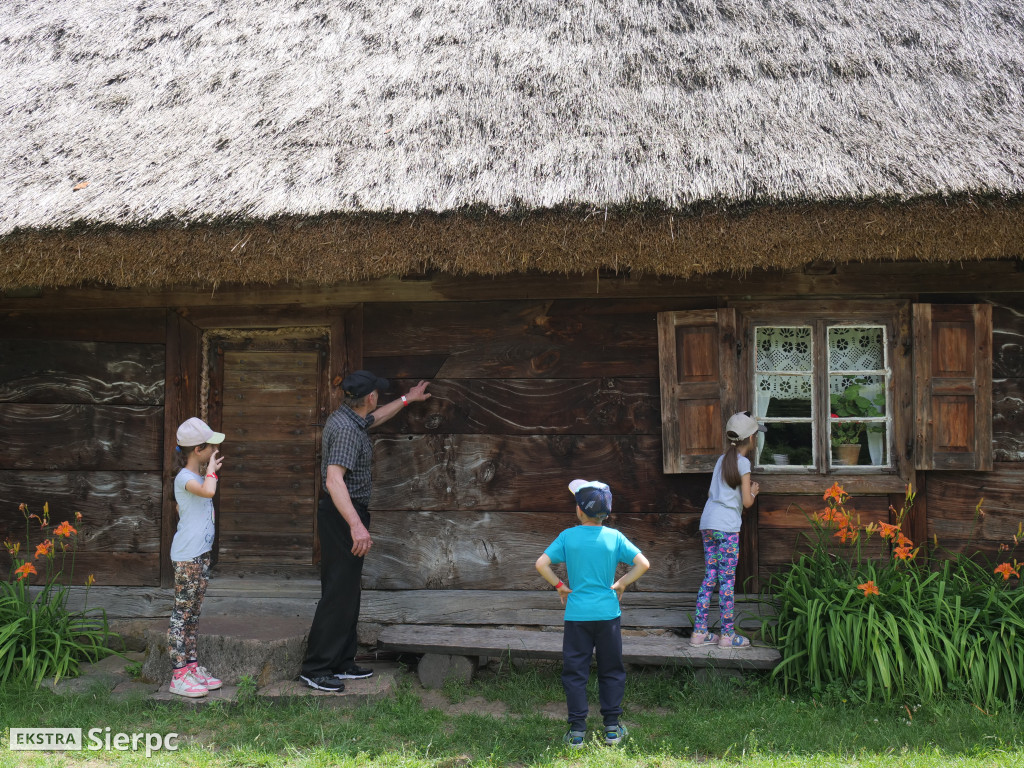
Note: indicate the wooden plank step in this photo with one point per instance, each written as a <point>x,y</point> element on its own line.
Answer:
<point>464,641</point>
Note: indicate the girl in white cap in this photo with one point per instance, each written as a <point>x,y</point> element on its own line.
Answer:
<point>731,490</point>
<point>194,487</point>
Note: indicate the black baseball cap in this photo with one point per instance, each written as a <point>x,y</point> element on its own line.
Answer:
<point>362,383</point>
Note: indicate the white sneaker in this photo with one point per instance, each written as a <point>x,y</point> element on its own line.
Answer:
<point>204,677</point>
<point>184,683</point>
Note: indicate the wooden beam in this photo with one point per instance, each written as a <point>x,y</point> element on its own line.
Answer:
<point>462,641</point>
<point>868,279</point>
<point>46,321</point>
<point>181,400</point>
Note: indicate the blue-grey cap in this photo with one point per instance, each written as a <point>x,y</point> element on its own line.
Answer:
<point>593,497</point>
<point>362,383</point>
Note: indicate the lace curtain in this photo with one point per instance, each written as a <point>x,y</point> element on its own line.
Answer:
<point>785,360</point>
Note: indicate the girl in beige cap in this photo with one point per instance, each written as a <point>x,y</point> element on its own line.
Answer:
<point>731,490</point>
<point>194,487</point>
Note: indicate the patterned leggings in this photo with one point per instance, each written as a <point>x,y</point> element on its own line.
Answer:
<point>190,580</point>
<point>721,554</point>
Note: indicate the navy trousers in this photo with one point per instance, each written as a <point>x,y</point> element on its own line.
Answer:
<point>579,642</point>
<point>332,636</point>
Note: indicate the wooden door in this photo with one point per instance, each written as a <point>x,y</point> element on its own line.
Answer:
<point>269,395</point>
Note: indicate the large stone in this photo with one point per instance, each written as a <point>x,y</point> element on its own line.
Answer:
<point>233,647</point>
<point>435,668</point>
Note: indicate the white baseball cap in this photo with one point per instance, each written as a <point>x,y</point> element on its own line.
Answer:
<point>195,431</point>
<point>742,425</point>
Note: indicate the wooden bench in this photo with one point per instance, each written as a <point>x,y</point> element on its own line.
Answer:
<point>454,651</point>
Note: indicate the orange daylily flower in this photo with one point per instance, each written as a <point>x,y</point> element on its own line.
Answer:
<point>869,588</point>
<point>904,553</point>
<point>1006,571</point>
<point>834,515</point>
<point>78,517</point>
<point>44,549</point>
<point>847,533</point>
<point>835,493</point>
<point>26,570</point>
<point>65,529</point>
<point>903,541</point>
<point>888,532</point>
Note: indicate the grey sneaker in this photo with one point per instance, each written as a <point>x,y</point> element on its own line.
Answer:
<point>326,683</point>
<point>354,672</point>
<point>615,734</point>
<point>574,739</point>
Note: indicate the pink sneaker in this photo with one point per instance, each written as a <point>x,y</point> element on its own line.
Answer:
<point>733,642</point>
<point>703,638</point>
<point>184,683</point>
<point>204,677</point>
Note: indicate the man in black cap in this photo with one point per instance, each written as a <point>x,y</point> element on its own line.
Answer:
<point>343,520</point>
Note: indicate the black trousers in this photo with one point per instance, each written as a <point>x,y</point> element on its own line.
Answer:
<point>579,642</point>
<point>332,637</point>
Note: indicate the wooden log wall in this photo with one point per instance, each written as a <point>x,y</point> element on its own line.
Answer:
<point>470,487</point>
<point>81,428</point>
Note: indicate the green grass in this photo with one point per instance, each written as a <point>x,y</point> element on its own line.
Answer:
<point>675,721</point>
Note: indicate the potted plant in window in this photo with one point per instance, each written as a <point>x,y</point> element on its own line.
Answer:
<point>851,403</point>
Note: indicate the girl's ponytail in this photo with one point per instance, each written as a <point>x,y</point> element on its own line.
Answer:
<point>731,467</point>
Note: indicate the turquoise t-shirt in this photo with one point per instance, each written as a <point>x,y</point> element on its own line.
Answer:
<point>591,553</point>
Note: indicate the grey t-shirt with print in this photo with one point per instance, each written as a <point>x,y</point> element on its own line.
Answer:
<point>194,536</point>
<point>723,510</point>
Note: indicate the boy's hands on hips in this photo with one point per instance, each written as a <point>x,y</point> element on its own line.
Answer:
<point>619,589</point>
<point>563,593</point>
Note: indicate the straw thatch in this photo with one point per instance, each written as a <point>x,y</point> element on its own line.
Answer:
<point>128,125</point>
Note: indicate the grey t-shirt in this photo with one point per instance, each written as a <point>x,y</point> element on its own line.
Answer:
<point>723,510</point>
<point>194,536</point>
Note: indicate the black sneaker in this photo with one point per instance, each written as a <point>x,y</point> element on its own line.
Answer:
<point>326,683</point>
<point>354,672</point>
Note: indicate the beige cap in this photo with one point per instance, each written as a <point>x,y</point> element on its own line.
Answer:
<point>741,426</point>
<point>195,431</point>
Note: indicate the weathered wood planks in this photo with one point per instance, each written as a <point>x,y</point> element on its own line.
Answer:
<point>270,395</point>
<point>530,406</point>
<point>120,509</point>
<point>40,371</point>
<point>75,436</point>
<point>546,339</point>
<point>953,497</point>
<point>511,472</point>
<point>786,531</point>
<point>480,550</point>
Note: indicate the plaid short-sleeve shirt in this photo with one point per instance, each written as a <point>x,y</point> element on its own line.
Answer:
<point>347,444</point>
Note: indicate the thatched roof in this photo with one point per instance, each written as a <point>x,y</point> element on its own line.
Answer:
<point>250,113</point>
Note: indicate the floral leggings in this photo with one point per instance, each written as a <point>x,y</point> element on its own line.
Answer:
<point>721,554</point>
<point>190,580</point>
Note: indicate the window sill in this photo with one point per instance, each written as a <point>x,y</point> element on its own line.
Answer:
<point>854,483</point>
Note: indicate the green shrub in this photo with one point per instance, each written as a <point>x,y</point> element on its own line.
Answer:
<point>39,637</point>
<point>896,628</point>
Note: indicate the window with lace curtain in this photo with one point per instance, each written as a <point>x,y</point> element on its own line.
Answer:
<point>866,387</point>
<point>789,375</point>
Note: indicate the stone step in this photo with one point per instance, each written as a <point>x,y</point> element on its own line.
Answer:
<point>264,649</point>
<point>112,674</point>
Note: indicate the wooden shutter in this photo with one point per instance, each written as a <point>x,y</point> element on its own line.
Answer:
<point>953,386</point>
<point>698,358</point>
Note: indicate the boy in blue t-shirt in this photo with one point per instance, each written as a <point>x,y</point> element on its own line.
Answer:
<point>591,554</point>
